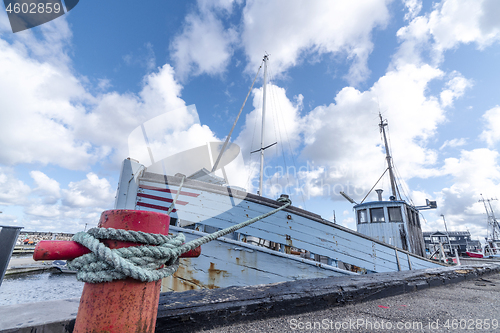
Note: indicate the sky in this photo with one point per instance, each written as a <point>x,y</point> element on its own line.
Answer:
<point>73,90</point>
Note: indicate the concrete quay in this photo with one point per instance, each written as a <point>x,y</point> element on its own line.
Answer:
<point>20,265</point>
<point>426,299</point>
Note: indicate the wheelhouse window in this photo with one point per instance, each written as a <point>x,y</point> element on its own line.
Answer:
<point>395,214</point>
<point>362,216</point>
<point>377,215</point>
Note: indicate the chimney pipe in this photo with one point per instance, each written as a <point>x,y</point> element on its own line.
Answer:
<point>379,192</point>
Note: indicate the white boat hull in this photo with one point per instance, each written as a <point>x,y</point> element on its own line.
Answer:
<point>262,252</point>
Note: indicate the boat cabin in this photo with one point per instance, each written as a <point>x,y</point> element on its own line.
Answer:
<point>394,222</point>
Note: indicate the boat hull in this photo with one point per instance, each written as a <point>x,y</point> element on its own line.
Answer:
<point>289,245</point>
<point>225,262</point>
<point>474,254</point>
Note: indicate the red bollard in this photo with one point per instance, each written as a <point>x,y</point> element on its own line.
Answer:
<point>123,305</point>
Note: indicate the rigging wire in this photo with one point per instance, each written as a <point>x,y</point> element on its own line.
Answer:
<point>275,101</point>
<point>291,152</point>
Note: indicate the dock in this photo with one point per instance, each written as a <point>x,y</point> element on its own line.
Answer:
<point>428,299</point>
<point>21,265</point>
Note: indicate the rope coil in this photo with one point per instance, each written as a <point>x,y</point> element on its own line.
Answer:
<point>140,262</point>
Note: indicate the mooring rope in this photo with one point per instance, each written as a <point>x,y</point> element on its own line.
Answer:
<point>140,262</point>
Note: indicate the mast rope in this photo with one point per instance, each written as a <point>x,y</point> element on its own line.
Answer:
<point>289,147</point>
<point>141,262</point>
<point>234,125</point>
<point>373,186</point>
<point>277,133</point>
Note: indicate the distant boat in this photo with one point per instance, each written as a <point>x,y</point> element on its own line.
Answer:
<point>475,254</point>
<point>291,244</point>
<point>491,248</point>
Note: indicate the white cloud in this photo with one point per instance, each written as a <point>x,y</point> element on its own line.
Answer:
<point>90,192</point>
<point>114,116</point>
<point>414,7</point>
<point>337,138</point>
<point>453,143</point>
<point>455,88</point>
<point>37,102</point>
<point>451,23</point>
<point>205,45</point>
<point>490,134</point>
<point>46,186</point>
<point>283,123</point>
<point>474,173</point>
<point>294,31</point>
<point>342,135</point>
<point>12,190</point>
<point>478,168</point>
<point>48,116</point>
<point>290,31</point>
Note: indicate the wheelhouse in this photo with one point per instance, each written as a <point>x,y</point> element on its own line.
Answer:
<point>394,222</point>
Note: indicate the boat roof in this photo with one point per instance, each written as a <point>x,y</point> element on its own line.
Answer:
<point>381,203</point>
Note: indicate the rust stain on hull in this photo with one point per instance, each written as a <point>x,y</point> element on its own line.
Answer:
<point>183,279</point>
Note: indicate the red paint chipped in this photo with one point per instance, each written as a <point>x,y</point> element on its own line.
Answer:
<point>383,307</point>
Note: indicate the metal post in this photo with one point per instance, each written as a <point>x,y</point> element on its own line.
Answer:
<point>456,256</point>
<point>442,255</point>
<point>8,238</point>
<point>397,259</point>
<point>447,235</point>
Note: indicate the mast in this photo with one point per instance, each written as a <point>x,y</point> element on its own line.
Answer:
<point>494,233</point>
<point>388,157</point>
<point>266,58</point>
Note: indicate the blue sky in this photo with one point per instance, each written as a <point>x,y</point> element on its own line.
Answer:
<point>72,90</point>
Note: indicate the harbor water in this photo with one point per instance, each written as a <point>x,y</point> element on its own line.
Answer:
<point>38,287</point>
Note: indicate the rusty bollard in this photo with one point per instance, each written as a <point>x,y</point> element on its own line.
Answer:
<point>121,305</point>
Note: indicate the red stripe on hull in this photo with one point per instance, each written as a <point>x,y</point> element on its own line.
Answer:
<point>143,204</point>
<point>194,195</point>
<point>149,196</point>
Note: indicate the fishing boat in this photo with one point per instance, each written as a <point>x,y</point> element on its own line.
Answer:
<point>475,254</point>
<point>289,245</point>
<point>394,221</point>
<point>491,248</point>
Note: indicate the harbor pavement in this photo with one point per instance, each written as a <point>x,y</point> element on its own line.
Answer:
<point>447,299</point>
<point>462,307</point>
